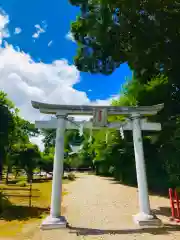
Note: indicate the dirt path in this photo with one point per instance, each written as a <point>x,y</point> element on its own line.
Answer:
<point>98,208</point>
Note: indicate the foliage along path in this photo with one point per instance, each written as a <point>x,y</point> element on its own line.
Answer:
<point>99,208</point>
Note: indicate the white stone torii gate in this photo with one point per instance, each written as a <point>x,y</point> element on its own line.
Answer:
<point>144,218</point>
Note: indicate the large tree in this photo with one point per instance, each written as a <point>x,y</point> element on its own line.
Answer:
<point>13,130</point>
<point>116,156</point>
<point>26,156</point>
<point>111,32</point>
<point>7,126</point>
<point>145,34</point>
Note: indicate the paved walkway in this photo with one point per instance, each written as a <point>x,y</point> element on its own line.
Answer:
<point>99,208</point>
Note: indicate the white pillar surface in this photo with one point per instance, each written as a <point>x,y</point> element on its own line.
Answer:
<point>140,166</point>
<point>144,215</point>
<point>58,170</point>
<point>55,220</point>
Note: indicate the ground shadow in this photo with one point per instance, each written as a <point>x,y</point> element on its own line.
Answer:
<point>114,181</point>
<point>41,180</point>
<point>159,192</point>
<point>35,180</point>
<point>76,177</point>
<point>20,195</point>
<point>18,189</point>
<point>164,211</point>
<point>152,192</point>
<point>11,182</point>
<point>106,177</point>
<point>166,229</point>
<point>22,213</point>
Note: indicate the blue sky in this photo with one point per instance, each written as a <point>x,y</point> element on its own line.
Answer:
<point>36,59</point>
<point>57,14</point>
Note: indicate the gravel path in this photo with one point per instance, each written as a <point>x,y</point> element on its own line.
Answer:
<point>99,208</point>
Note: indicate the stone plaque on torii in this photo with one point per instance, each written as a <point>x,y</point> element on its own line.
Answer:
<point>135,122</point>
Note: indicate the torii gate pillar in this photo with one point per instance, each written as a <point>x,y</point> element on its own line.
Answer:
<point>55,220</point>
<point>144,217</point>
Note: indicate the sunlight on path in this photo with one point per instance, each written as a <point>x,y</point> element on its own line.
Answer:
<point>99,208</point>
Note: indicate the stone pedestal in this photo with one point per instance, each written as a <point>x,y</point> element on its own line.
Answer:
<point>147,221</point>
<point>54,223</point>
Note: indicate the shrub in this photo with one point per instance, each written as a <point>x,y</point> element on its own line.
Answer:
<point>22,183</point>
<point>71,176</point>
<point>4,202</point>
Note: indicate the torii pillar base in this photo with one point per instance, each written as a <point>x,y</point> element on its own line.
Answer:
<point>147,221</point>
<point>54,223</point>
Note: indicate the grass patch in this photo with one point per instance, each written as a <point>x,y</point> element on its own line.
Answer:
<point>16,216</point>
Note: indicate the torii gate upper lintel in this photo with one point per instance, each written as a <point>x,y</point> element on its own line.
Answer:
<point>88,109</point>
<point>144,218</point>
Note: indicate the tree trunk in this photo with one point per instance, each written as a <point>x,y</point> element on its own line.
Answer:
<point>40,171</point>
<point>7,174</point>
<point>1,169</point>
<point>1,162</point>
<point>17,172</point>
<point>29,177</point>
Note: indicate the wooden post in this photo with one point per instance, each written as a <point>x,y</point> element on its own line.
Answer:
<point>30,193</point>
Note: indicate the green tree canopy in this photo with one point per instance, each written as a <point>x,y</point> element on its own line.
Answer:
<point>13,129</point>
<point>111,32</point>
<point>26,156</point>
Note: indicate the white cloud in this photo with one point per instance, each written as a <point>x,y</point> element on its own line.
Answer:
<point>17,30</point>
<point>39,29</point>
<point>105,102</point>
<point>70,37</point>
<point>25,80</point>
<point>38,142</point>
<point>4,20</point>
